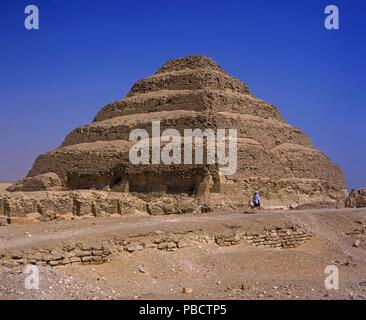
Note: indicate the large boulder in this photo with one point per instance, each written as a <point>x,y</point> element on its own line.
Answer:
<point>356,198</point>
<point>43,182</point>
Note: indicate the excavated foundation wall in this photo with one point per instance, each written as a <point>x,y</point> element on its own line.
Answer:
<point>93,252</point>
<point>31,207</point>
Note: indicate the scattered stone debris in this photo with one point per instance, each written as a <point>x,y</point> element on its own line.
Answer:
<point>357,243</point>
<point>142,269</point>
<point>53,284</point>
<point>187,290</point>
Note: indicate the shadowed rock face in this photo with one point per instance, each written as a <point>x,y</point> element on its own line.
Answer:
<point>194,92</point>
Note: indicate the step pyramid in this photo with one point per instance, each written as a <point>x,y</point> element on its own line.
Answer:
<point>273,157</point>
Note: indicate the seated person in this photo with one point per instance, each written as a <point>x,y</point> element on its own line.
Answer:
<point>256,200</point>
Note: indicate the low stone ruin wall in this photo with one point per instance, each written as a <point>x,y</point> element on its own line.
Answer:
<point>274,238</point>
<point>68,254</point>
<point>96,253</point>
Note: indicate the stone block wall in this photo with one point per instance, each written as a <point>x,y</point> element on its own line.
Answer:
<point>58,256</point>
<point>275,238</point>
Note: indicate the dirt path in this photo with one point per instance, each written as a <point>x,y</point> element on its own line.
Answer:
<point>14,236</point>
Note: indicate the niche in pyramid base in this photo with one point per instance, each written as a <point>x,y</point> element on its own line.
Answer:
<point>273,157</point>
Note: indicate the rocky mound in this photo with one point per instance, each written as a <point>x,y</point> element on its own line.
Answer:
<point>43,182</point>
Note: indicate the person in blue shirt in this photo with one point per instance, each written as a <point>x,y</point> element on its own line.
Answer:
<point>256,200</point>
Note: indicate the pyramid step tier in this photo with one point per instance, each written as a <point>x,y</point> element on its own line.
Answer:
<point>269,133</point>
<point>103,161</point>
<point>189,80</point>
<point>196,100</point>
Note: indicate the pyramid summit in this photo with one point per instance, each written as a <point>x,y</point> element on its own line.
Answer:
<point>192,62</point>
<point>194,92</point>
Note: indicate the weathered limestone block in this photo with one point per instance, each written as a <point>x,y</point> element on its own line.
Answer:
<point>104,204</point>
<point>86,259</point>
<point>3,221</point>
<point>82,205</point>
<point>3,218</point>
<point>43,182</point>
<point>59,202</point>
<point>20,205</point>
<point>203,187</point>
<point>356,198</point>
<point>75,259</point>
<point>154,209</point>
<point>173,205</point>
<point>122,187</point>
<point>131,247</point>
<point>2,206</point>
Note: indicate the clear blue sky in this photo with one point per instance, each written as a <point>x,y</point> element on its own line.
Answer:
<point>89,53</point>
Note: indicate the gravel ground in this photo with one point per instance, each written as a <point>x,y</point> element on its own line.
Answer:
<point>53,284</point>
<point>203,271</point>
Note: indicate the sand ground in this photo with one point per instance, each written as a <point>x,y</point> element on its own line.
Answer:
<point>241,271</point>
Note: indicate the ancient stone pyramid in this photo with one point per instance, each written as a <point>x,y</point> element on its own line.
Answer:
<point>194,92</point>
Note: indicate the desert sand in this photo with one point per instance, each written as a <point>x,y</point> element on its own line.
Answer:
<point>211,271</point>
